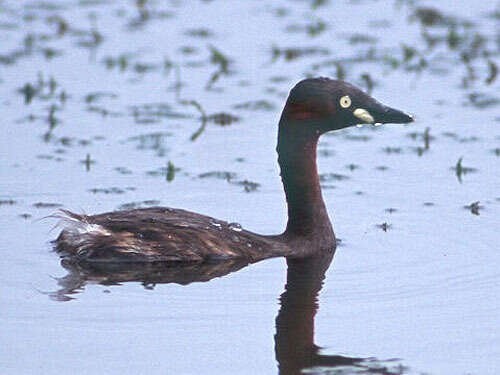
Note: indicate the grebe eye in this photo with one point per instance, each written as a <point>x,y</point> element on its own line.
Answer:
<point>345,101</point>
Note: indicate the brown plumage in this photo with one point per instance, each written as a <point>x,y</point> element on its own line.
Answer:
<point>158,234</point>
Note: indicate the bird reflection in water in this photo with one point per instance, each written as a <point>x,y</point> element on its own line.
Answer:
<point>295,350</point>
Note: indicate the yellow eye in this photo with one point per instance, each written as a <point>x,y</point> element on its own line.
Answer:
<point>345,101</point>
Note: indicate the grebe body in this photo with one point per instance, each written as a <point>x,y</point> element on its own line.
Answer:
<point>314,107</point>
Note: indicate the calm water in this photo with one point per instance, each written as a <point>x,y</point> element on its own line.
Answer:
<point>108,104</point>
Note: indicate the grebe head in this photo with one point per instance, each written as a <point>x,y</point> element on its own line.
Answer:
<point>324,104</point>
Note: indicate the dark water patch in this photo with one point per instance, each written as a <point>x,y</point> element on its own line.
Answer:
<point>474,208</point>
<point>189,50</point>
<point>482,101</point>
<point>312,28</point>
<point>49,157</point>
<point>256,105</point>
<point>123,170</point>
<point>325,152</point>
<point>355,137</point>
<point>154,113</point>
<point>392,150</point>
<point>103,112</point>
<point>153,141</point>
<point>279,79</point>
<point>111,190</point>
<point>200,32</point>
<point>45,5</point>
<point>7,202</point>
<point>98,96</point>
<point>42,205</point>
<point>142,204</point>
<point>357,38</point>
<point>328,177</point>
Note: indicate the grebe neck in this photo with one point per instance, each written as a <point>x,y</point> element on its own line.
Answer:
<point>307,215</point>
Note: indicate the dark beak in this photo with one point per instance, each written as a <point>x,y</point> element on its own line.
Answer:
<point>388,115</point>
<point>377,113</point>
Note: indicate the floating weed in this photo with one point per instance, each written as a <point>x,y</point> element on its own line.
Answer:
<point>492,73</point>
<point>171,170</point>
<point>352,167</point>
<point>248,186</point>
<point>203,117</point>
<point>426,137</point>
<point>461,170</point>
<point>221,175</point>
<point>29,92</point>
<point>111,190</point>
<point>429,17</point>
<point>327,177</point>
<point>293,53</point>
<point>222,118</point>
<point>474,208</point>
<point>496,151</point>
<point>382,168</point>
<point>222,62</point>
<point>88,161</point>
<point>25,216</point>
<point>429,204</point>
<point>367,82</point>
<point>60,24</point>
<point>391,210</point>
<point>384,226</point>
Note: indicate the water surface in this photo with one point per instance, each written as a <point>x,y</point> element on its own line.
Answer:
<point>109,105</point>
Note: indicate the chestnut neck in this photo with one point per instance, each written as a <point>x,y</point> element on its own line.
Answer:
<point>307,215</point>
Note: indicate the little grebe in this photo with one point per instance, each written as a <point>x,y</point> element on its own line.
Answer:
<point>158,234</point>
